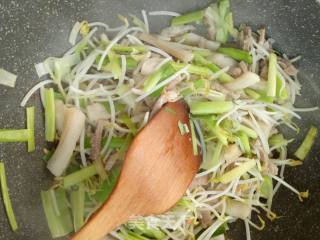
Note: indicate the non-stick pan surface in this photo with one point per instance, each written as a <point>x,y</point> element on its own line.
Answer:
<point>31,30</point>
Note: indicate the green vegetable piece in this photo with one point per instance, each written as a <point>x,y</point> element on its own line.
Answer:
<point>79,176</point>
<point>217,131</point>
<point>128,122</point>
<point>263,97</point>
<point>200,108</point>
<point>107,185</point>
<point>221,230</point>
<point>58,96</point>
<point>193,138</point>
<point>133,49</point>
<point>190,17</point>
<point>47,155</point>
<point>132,236</point>
<point>282,95</point>
<point>223,78</point>
<point>222,19</point>
<point>277,140</point>
<point>13,135</point>
<point>6,198</point>
<point>248,131</point>
<point>213,156</point>
<point>77,199</point>
<point>237,54</point>
<point>244,140</point>
<point>193,69</point>
<point>131,63</point>
<point>142,229</point>
<point>55,205</point>
<point>198,84</point>
<point>115,64</point>
<point>49,107</point>
<point>267,187</point>
<point>30,128</point>
<point>116,142</point>
<point>307,143</point>
<point>272,76</point>
<point>202,52</point>
<point>252,93</point>
<point>126,145</point>
<point>236,172</point>
<point>182,128</point>
<point>157,76</point>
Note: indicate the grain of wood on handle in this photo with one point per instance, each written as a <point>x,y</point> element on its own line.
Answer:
<point>158,168</point>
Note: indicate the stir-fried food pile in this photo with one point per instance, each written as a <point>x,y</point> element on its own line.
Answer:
<point>113,80</point>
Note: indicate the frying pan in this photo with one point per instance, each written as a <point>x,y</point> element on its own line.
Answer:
<point>31,30</point>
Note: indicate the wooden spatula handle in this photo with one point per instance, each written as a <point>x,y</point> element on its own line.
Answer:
<point>112,214</point>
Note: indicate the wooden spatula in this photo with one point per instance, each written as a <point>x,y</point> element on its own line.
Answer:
<point>158,168</point>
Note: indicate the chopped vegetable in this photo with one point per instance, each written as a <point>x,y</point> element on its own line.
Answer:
<point>156,77</point>
<point>187,18</point>
<point>183,128</point>
<point>238,209</point>
<point>128,122</point>
<point>244,140</point>
<point>49,108</point>
<point>197,70</point>
<point>220,21</point>
<point>266,187</point>
<point>213,156</point>
<point>55,205</point>
<point>237,171</point>
<point>8,135</point>
<point>107,185</point>
<point>248,131</point>
<point>30,128</point>
<point>236,54</point>
<point>7,79</point>
<point>183,55</point>
<point>194,139</point>
<point>73,126</point>
<point>77,199</point>
<point>223,77</point>
<point>277,141</point>
<point>210,107</point>
<point>272,76</point>
<point>307,143</point>
<point>115,65</point>
<point>79,176</point>
<point>6,198</point>
<point>247,79</point>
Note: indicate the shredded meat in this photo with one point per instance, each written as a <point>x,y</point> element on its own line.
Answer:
<point>288,67</point>
<point>243,66</point>
<point>263,69</point>
<point>262,36</point>
<point>111,161</point>
<point>206,219</point>
<point>245,38</point>
<point>96,140</point>
<point>235,72</point>
<point>200,181</point>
